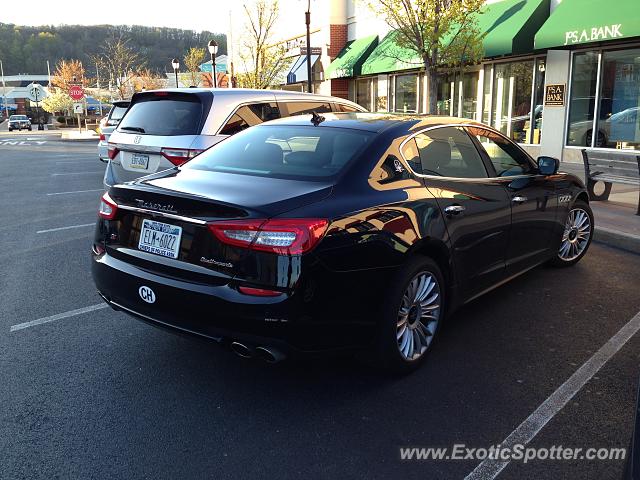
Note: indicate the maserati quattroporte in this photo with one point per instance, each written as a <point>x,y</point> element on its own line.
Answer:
<point>341,231</point>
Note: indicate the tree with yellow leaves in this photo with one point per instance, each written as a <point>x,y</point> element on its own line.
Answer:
<point>444,34</point>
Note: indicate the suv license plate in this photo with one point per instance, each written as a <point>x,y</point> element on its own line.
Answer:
<point>139,161</point>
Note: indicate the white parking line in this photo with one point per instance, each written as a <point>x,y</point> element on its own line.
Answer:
<point>66,228</point>
<point>75,173</point>
<point>75,191</point>
<point>59,316</point>
<point>527,430</point>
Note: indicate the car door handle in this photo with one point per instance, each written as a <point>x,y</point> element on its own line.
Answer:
<point>519,199</point>
<point>454,210</point>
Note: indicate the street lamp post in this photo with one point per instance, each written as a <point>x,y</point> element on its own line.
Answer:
<point>213,50</point>
<point>175,63</point>
<point>307,19</point>
<point>37,95</point>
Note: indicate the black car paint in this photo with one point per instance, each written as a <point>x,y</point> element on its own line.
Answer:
<point>381,214</point>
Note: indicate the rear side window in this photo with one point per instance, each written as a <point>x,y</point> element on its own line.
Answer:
<point>341,107</point>
<point>250,115</point>
<point>305,108</point>
<point>449,152</point>
<point>166,115</point>
<point>280,151</point>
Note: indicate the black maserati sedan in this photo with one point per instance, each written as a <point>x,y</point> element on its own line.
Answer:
<point>342,231</point>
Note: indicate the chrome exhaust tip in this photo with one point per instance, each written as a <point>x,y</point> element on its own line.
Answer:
<point>241,349</point>
<point>270,354</point>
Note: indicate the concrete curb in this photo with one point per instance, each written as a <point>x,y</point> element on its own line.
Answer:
<point>615,238</point>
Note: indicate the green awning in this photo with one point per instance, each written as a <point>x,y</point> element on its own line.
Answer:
<point>349,61</point>
<point>576,22</point>
<point>388,56</point>
<point>509,27</point>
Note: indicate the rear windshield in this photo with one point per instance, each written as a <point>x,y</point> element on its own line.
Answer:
<point>164,114</point>
<point>304,153</point>
<point>18,117</point>
<point>116,115</point>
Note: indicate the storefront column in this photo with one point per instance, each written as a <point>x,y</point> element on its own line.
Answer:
<point>553,124</point>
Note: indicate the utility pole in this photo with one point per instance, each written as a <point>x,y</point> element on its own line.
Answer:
<point>307,19</point>
<point>4,92</point>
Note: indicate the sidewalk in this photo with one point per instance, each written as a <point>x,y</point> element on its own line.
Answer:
<point>616,221</point>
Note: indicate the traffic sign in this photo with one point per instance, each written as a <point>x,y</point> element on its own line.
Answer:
<point>78,108</point>
<point>35,92</point>
<point>76,92</point>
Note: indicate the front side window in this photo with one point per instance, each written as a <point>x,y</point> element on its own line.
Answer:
<point>250,115</point>
<point>297,152</point>
<point>449,152</point>
<point>507,159</point>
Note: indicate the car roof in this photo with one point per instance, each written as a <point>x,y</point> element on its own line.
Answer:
<point>243,92</point>
<point>375,122</point>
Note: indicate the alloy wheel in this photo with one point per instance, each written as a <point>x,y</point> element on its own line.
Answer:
<point>575,238</point>
<point>418,316</point>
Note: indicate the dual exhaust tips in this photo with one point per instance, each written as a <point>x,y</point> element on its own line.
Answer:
<point>266,353</point>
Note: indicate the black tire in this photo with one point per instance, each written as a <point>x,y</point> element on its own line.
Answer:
<point>601,139</point>
<point>30,129</point>
<point>387,351</point>
<point>557,260</point>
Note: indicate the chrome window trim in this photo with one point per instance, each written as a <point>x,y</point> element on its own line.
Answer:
<point>156,213</point>
<point>462,179</point>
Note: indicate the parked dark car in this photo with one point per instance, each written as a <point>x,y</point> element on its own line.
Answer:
<point>19,122</point>
<point>351,230</point>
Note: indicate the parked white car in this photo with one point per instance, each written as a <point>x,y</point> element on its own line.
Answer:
<point>108,124</point>
<point>165,128</point>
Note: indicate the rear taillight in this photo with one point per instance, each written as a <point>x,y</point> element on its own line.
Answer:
<point>179,156</point>
<point>102,137</point>
<point>108,208</point>
<point>291,236</point>
<point>259,292</point>
<point>112,151</point>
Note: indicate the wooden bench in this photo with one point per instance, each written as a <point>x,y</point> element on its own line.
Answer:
<point>610,167</point>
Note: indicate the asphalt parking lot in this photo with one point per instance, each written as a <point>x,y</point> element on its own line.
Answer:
<point>100,395</point>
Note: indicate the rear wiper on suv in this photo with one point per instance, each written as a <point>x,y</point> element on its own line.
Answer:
<point>133,129</point>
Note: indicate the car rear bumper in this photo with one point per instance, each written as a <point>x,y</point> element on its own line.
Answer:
<point>221,312</point>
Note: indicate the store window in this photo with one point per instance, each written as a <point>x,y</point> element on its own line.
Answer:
<point>584,79</point>
<point>618,123</point>
<point>406,93</point>
<point>511,98</point>
<point>469,95</point>
<point>444,105</point>
<point>365,92</point>
<point>458,96</point>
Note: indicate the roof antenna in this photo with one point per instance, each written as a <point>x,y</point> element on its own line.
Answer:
<point>316,119</point>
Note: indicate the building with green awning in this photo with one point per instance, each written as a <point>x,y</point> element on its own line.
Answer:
<point>577,22</point>
<point>349,61</point>
<point>509,27</point>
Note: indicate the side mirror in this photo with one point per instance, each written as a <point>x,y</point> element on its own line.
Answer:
<point>548,165</point>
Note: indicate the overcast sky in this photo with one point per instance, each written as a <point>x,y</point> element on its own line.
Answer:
<point>198,15</point>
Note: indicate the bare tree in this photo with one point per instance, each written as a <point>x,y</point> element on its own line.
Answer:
<point>120,62</point>
<point>443,34</point>
<point>264,62</point>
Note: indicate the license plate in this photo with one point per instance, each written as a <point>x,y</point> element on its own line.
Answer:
<point>139,161</point>
<point>160,238</point>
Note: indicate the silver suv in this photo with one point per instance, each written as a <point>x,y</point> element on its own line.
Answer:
<point>166,128</point>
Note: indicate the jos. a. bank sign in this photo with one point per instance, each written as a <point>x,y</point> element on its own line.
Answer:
<point>594,34</point>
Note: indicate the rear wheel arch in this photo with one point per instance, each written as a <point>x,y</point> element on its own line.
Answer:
<point>438,251</point>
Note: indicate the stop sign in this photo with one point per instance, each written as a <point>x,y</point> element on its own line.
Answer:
<point>76,92</point>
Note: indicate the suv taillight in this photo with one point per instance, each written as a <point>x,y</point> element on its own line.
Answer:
<point>179,156</point>
<point>290,236</point>
<point>112,150</point>
<point>108,208</point>
<point>102,137</point>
